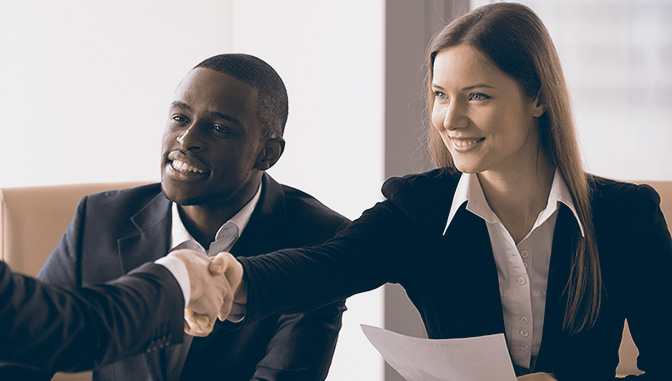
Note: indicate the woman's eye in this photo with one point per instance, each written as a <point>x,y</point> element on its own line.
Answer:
<point>439,95</point>
<point>478,97</point>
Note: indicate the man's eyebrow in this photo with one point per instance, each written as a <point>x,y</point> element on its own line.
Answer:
<point>179,104</point>
<point>224,116</point>
<point>216,114</point>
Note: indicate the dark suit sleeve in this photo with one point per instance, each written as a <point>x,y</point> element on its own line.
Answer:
<point>362,257</point>
<point>53,328</point>
<point>303,345</point>
<point>650,285</point>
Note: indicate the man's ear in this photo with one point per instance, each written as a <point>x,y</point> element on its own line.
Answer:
<point>270,153</point>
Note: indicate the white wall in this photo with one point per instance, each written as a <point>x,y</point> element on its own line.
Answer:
<point>331,57</point>
<point>85,86</point>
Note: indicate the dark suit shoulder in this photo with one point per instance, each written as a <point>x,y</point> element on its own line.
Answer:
<point>121,201</point>
<point>431,183</point>
<point>423,195</point>
<point>622,196</point>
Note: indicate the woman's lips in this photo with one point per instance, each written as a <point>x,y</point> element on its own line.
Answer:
<point>465,143</point>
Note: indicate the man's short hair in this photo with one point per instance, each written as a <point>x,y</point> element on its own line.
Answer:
<point>272,100</point>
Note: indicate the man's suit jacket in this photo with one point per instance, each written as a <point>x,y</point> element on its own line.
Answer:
<point>452,278</point>
<point>51,328</point>
<point>114,232</point>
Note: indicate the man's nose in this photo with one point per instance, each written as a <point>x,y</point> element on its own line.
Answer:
<point>191,139</point>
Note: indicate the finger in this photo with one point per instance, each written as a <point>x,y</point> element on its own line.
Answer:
<point>234,271</point>
<point>218,264</point>
<point>227,304</point>
<point>199,325</point>
<point>190,325</point>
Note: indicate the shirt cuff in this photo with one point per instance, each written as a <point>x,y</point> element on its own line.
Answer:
<point>237,313</point>
<point>179,271</point>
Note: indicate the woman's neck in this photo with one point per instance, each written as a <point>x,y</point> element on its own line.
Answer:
<point>518,196</point>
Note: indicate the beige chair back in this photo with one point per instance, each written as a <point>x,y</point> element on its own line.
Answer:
<point>32,222</point>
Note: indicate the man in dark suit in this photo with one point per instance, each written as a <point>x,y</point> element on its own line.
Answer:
<point>224,130</point>
<point>53,328</point>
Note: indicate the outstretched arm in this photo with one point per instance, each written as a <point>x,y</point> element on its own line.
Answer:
<point>53,328</point>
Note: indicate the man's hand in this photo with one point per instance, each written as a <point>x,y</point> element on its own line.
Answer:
<point>212,284</point>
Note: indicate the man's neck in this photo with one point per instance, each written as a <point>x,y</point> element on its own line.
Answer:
<point>203,221</point>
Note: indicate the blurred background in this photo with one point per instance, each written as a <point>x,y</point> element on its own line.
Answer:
<point>85,86</point>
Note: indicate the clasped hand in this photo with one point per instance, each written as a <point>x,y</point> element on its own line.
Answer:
<point>214,282</point>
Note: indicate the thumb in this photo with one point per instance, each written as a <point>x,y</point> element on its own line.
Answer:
<point>218,264</point>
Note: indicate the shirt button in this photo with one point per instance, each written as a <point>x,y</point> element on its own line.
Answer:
<point>524,347</point>
<point>521,280</point>
<point>525,264</point>
<point>524,319</point>
<point>524,253</point>
<point>524,333</point>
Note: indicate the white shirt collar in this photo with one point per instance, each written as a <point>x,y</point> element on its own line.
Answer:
<point>469,190</point>
<point>179,233</point>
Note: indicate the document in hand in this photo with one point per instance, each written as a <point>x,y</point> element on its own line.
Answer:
<point>417,359</point>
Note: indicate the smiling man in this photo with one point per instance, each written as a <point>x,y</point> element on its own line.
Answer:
<point>224,130</point>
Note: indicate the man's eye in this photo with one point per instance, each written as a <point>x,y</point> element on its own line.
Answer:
<point>179,118</point>
<point>221,129</point>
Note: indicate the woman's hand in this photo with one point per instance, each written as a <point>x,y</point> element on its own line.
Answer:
<point>537,377</point>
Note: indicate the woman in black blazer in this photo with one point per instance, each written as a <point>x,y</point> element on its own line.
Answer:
<point>509,235</point>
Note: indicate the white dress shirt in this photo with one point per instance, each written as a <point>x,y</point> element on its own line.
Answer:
<point>522,268</point>
<point>226,237</point>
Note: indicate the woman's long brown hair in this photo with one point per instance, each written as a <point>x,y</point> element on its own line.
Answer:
<point>513,37</point>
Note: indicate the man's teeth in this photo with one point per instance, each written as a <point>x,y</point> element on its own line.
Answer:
<point>183,167</point>
<point>462,143</point>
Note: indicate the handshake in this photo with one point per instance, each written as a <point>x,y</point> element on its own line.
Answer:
<point>214,282</point>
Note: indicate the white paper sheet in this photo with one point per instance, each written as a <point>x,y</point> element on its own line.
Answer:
<point>417,359</point>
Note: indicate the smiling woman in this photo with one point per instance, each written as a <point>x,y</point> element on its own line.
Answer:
<point>544,248</point>
<point>483,117</point>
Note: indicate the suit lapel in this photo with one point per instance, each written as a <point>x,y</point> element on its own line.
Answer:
<point>564,243</point>
<point>474,279</point>
<point>268,220</point>
<point>149,243</point>
<point>152,238</point>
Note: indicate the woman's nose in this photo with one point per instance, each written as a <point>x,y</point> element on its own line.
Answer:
<point>455,117</point>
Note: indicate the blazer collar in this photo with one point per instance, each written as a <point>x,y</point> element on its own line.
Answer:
<point>469,191</point>
<point>152,238</point>
<point>565,237</point>
<point>268,220</point>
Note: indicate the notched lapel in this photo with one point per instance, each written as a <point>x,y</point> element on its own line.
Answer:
<point>471,265</point>
<point>151,242</point>
<point>268,220</point>
<point>564,242</point>
<point>153,236</point>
